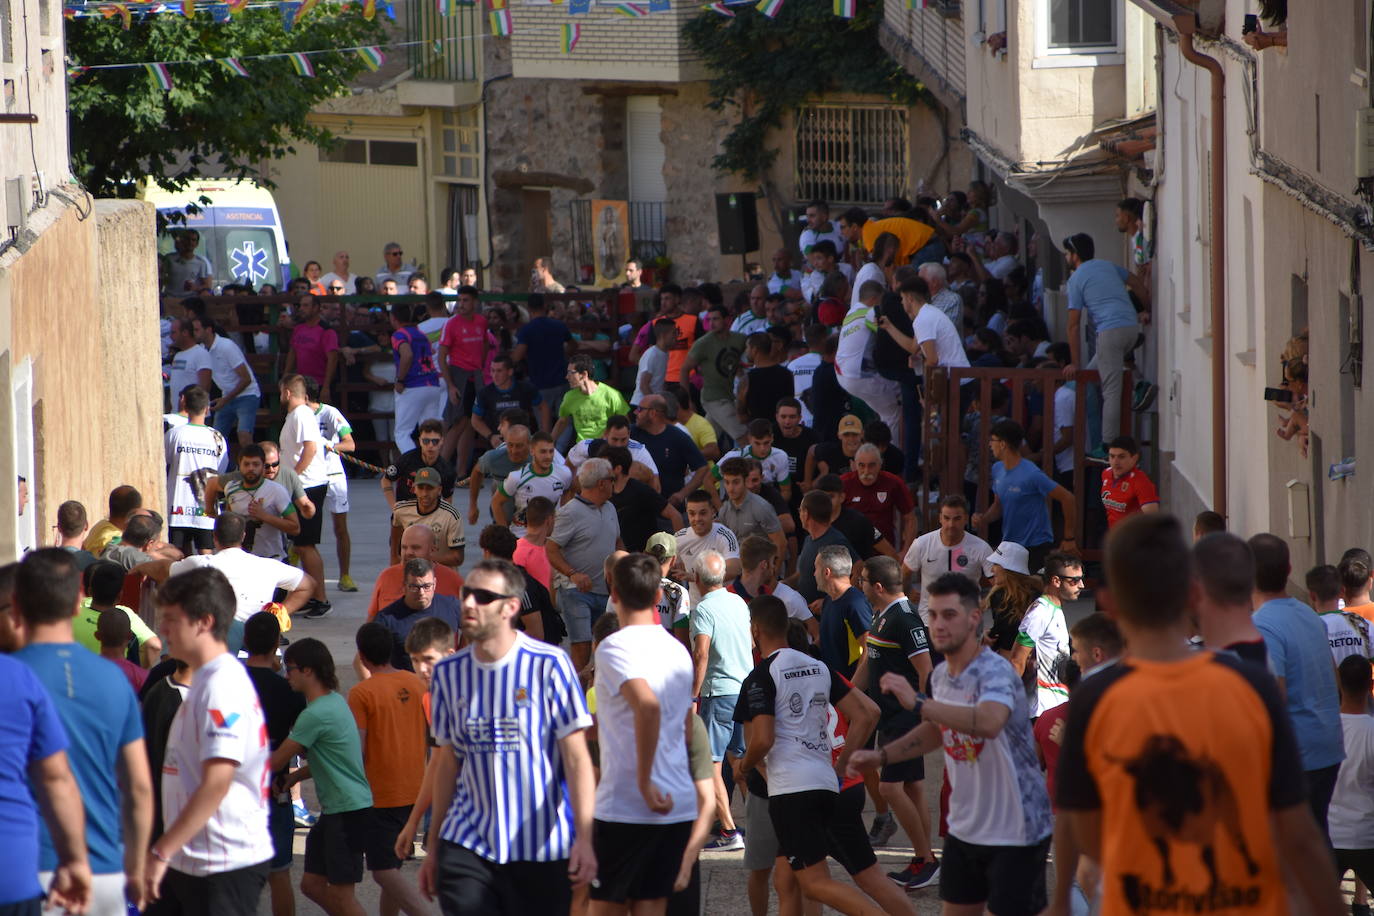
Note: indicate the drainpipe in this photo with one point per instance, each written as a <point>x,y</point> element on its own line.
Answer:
<point>1184,22</point>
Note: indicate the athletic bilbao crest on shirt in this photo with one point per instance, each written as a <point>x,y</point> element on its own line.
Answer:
<point>882,496</point>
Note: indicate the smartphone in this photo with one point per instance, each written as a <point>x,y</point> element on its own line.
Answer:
<point>1281,395</point>
<point>1251,24</point>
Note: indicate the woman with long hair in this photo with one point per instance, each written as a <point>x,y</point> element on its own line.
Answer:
<point>1013,591</point>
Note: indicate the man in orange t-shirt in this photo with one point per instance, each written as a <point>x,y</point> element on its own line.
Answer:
<point>416,541</point>
<point>1357,572</point>
<point>389,709</point>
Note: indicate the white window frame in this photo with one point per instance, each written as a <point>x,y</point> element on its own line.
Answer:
<point>21,400</point>
<point>1047,57</point>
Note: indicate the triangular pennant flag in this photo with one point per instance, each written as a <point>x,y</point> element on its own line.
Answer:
<point>500,22</point>
<point>75,72</point>
<point>161,75</point>
<point>632,10</point>
<point>233,66</point>
<point>188,8</point>
<point>373,58</point>
<point>720,8</point>
<point>118,9</point>
<point>571,33</point>
<point>844,9</point>
<point>219,12</point>
<point>288,15</point>
<point>68,13</point>
<point>770,8</point>
<point>369,9</point>
<point>237,6</point>
<point>305,7</point>
<point>390,11</point>
<point>302,64</point>
<point>578,7</point>
<point>660,6</point>
<point>445,7</point>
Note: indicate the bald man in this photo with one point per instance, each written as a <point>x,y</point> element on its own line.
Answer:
<point>416,541</point>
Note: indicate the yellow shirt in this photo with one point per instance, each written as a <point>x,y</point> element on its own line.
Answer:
<point>100,537</point>
<point>913,235</point>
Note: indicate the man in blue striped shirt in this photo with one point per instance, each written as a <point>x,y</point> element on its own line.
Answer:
<point>515,833</point>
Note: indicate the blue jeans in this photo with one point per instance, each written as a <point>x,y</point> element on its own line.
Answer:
<point>240,413</point>
<point>726,735</point>
<point>579,609</point>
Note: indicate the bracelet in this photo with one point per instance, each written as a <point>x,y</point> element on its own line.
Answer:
<point>152,851</point>
<point>882,756</point>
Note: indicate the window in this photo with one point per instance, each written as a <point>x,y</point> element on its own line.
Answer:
<point>1078,33</point>
<point>851,154</point>
<point>1360,35</point>
<point>44,17</point>
<point>460,143</point>
<point>6,32</point>
<point>391,152</point>
<point>354,151</point>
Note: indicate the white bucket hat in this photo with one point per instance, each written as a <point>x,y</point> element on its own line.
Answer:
<point>1010,556</point>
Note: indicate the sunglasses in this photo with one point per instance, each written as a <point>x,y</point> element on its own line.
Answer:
<point>336,289</point>
<point>1071,580</point>
<point>274,464</point>
<point>430,441</point>
<point>481,595</point>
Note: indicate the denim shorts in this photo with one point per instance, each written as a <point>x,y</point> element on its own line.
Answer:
<point>240,413</point>
<point>725,733</point>
<point>579,609</point>
<point>281,823</point>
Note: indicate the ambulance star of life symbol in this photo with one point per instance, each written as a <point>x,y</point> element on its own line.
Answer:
<point>249,262</point>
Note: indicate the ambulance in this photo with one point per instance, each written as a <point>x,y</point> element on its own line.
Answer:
<point>240,231</point>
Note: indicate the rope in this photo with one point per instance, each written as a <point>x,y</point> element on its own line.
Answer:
<point>360,463</point>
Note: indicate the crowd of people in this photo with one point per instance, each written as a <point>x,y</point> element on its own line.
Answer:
<point>704,617</point>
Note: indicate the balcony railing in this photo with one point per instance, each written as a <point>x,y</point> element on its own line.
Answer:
<point>449,47</point>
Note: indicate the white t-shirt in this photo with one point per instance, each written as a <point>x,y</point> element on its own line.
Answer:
<point>1063,419</point>
<point>803,368</point>
<point>1348,634</point>
<point>275,499</point>
<point>856,342</point>
<point>253,579</point>
<point>777,284</point>
<point>776,466</point>
<point>691,545</point>
<point>225,357</point>
<point>651,654</point>
<point>190,448</point>
<point>333,427</point>
<point>639,454</point>
<point>933,324</point>
<point>1044,630</point>
<point>798,691</point>
<point>930,558</point>
<point>655,362</point>
<point>1351,815</point>
<point>350,282</point>
<point>1000,267</point>
<point>302,427</point>
<point>811,283</point>
<point>220,719</point>
<point>524,485</point>
<point>184,369</point>
<point>795,603</point>
<point>747,323</point>
<point>869,271</point>
<point>809,237</point>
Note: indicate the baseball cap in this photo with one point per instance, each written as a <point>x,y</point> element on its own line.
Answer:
<point>661,545</point>
<point>427,477</point>
<point>1010,556</point>
<point>851,424</point>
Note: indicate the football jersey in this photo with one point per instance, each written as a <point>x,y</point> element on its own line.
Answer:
<point>260,540</point>
<point>193,453</point>
<point>777,467</point>
<point>525,484</point>
<point>1348,634</point>
<point>1127,494</point>
<point>895,638</point>
<point>639,454</point>
<point>1043,629</point>
<point>797,691</point>
<point>691,545</point>
<point>333,427</point>
<point>930,558</point>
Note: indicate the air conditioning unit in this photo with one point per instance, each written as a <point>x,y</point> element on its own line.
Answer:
<point>17,202</point>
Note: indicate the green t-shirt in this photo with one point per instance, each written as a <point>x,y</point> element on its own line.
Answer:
<point>717,359</point>
<point>589,412</point>
<point>329,734</point>
<point>83,626</point>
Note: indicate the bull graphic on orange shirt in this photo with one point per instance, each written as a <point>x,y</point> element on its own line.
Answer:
<point>1185,799</point>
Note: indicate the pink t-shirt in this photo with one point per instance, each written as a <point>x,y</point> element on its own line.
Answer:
<point>465,339</point>
<point>313,344</point>
<point>534,560</point>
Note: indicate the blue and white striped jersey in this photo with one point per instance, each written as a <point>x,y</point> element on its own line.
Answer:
<point>504,721</point>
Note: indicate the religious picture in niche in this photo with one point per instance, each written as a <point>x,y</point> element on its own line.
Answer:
<point>611,233</point>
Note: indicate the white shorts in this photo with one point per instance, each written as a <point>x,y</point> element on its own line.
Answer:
<point>336,497</point>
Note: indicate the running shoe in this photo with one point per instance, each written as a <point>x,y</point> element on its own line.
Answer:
<point>315,609</point>
<point>918,874</point>
<point>884,826</point>
<point>1144,395</point>
<point>346,584</point>
<point>726,840</point>
<point>303,816</point>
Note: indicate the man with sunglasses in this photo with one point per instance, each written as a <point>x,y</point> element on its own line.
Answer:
<point>514,821</point>
<point>1044,629</point>
<point>398,480</point>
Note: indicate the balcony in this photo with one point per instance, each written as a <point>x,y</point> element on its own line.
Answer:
<point>446,57</point>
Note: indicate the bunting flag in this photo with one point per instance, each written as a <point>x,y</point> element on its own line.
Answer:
<point>445,7</point>
<point>373,58</point>
<point>68,13</point>
<point>632,10</point>
<point>438,47</point>
<point>233,66</point>
<point>302,64</point>
<point>237,6</point>
<point>571,33</point>
<point>161,75</point>
<point>188,8</point>
<point>219,12</point>
<point>660,6</point>
<point>844,9</point>
<point>720,8</point>
<point>500,22</point>
<point>770,8</point>
<point>369,9</point>
<point>75,72</point>
<point>578,7</point>
<point>304,7</point>
<point>288,15</point>
<point>118,9</point>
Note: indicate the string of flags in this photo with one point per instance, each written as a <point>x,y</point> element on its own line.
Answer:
<point>373,56</point>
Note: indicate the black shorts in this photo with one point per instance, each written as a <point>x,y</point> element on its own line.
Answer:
<point>386,827</point>
<point>338,844</point>
<point>1010,880</point>
<point>813,825</point>
<point>229,893</point>
<point>191,540</point>
<point>33,907</point>
<point>913,770</point>
<point>312,527</point>
<point>637,861</point>
<point>466,381</point>
<point>468,883</point>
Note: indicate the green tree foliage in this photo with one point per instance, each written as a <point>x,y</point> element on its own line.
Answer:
<point>765,67</point>
<point>123,126</point>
